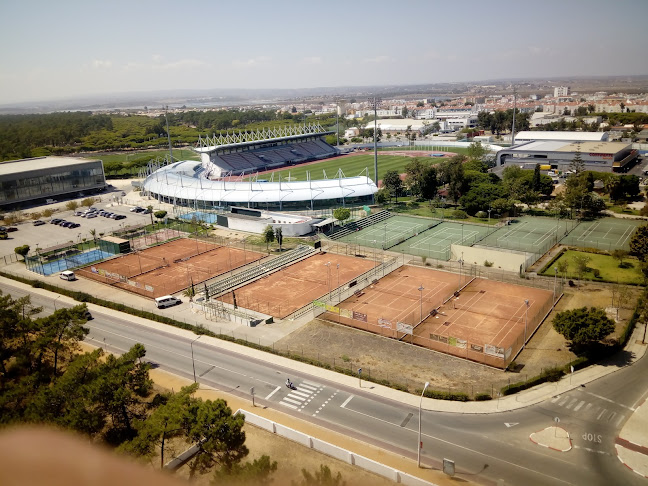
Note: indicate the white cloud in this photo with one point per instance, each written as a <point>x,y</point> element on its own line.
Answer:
<point>166,66</point>
<point>377,60</point>
<point>312,60</point>
<point>156,57</point>
<point>100,64</point>
<point>251,62</point>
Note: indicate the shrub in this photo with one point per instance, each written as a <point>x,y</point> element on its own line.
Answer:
<point>596,272</point>
<point>443,395</point>
<point>482,397</point>
<point>487,263</point>
<point>481,214</point>
<point>459,214</point>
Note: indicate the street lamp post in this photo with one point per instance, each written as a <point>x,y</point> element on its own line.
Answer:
<point>58,297</point>
<point>555,279</point>
<point>193,362</point>
<point>420,444</point>
<point>338,280</point>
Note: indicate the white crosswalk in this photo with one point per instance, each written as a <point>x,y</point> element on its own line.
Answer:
<point>302,395</point>
<point>585,408</point>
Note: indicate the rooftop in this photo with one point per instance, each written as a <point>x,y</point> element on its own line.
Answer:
<point>38,163</point>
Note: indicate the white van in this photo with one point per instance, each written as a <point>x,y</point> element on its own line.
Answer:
<point>166,301</point>
<point>68,275</point>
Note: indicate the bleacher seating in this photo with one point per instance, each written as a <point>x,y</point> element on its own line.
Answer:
<point>218,288</point>
<point>340,231</point>
<point>274,156</point>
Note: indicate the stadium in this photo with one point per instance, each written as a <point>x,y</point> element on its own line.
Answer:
<point>217,181</point>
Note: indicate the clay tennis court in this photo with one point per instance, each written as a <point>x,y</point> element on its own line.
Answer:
<point>170,267</point>
<point>397,298</point>
<point>283,292</point>
<point>484,323</point>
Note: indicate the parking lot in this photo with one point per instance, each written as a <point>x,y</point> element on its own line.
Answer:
<point>48,235</point>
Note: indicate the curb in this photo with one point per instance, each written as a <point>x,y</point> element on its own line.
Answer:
<point>616,449</point>
<point>549,447</point>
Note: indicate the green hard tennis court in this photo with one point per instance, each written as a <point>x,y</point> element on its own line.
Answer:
<point>435,242</point>
<point>605,234</point>
<point>529,234</point>
<point>390,232</point>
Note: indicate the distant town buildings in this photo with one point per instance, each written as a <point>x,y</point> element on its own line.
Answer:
<point>561,91</point>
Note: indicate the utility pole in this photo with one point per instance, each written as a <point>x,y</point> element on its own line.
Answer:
<point>514,110</point>
<point>373,103</point>
<point>166,108</point>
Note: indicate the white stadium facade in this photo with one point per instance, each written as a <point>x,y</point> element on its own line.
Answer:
<point>217,180</point>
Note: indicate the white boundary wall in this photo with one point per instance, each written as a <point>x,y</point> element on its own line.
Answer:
<point>334,451</point>
<point>504,259</point>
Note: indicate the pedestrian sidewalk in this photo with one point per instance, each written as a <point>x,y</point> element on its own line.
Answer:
<point>632,443</point>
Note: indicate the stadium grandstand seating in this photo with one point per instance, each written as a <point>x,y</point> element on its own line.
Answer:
<point>272,157</point>
<point>218,288</point>
<point>340,231</point>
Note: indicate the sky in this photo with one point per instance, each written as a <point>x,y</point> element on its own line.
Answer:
<point>69,49</point>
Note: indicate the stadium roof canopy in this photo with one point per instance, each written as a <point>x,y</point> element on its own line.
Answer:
<point>245,139</point>
<point>182,180</point>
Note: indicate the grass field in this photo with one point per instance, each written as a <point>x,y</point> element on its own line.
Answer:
<point>351,167</point>
<point>606,265</point>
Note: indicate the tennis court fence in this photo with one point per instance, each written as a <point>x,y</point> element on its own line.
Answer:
<point>340,294</point>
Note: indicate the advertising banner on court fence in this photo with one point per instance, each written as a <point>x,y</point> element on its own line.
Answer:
<point>404,328</point>
<point>359,316</point>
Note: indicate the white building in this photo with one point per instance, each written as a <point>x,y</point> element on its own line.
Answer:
<point>561,91</point>
<point>548,136</point>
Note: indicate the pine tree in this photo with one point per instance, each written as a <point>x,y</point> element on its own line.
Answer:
<point>577,165</point>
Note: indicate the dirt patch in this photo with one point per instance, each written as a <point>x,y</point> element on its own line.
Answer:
<point>402,363</point>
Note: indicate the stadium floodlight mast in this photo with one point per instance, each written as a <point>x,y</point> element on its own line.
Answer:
<point>166,108</point>
<point>373,103</point>
<point>514,109</point>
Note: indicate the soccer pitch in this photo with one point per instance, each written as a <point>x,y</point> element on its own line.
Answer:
<point>351,166</point>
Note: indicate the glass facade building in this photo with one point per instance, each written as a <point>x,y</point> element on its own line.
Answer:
<point>48,177</point>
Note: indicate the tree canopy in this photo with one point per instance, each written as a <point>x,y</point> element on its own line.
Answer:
<point>583,327</point>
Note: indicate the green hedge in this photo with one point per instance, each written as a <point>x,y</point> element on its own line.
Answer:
<point>445,395</point>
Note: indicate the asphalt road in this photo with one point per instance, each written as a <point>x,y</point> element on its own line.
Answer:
<point>491,449</point>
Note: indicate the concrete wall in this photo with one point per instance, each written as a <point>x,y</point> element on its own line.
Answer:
<point>259,226</point>
<point>334,451</point>
<point>501,258</point>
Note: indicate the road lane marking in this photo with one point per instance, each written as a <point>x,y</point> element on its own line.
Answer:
<point>170,351</point>
<point>601,414</point>
<point>290,400</point>
<point>571,403</point>
<point>608,400</point>
<point>288,405</point>
<point>305,395</point>
<point>273,392</point>
<point>346,402</point>
<point>459,446</point>
<point>578,407</point>
<point>407,419</point>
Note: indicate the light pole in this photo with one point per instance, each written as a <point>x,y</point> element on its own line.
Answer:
<point>338,280</point>
<point>193,363</point>
<point>328,278</point>
<point>55,302</point>
<point>421,288</point>
<point>460,269</point>
<point>526,313</point>
<point>373,103</point>
<point>420,444</point>
<point>489,211</point>
<point>555,278</point>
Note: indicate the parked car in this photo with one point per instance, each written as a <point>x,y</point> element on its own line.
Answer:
<point>120,216</point>
<point>65,224</point>
<point>38,222</point>
<point>11,228</point>
<point>68,275</point>
<point>147,211</point>
<point>78,213</point>
<point>56,221</point>
<point>74,225</point>
<point>3,229</point>
<point>91,215</point>
<point>134,210</point>
<point>113,216</point>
